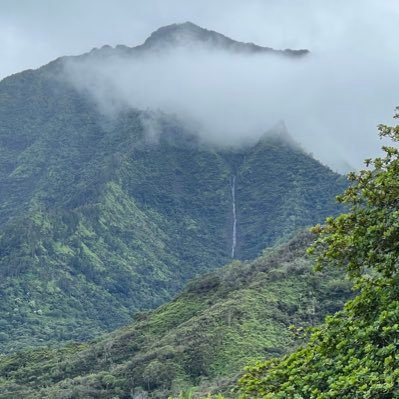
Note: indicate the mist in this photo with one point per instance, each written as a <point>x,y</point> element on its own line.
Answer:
<point>330,101</point>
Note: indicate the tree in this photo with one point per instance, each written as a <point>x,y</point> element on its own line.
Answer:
<point>366,239</point>
<point>354,354</point>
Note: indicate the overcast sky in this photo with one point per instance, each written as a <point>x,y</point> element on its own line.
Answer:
<point>355,41</point>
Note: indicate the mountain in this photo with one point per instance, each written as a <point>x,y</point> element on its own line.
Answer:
<point>229,318</point>
<point>191,35</point>
<point>99,220</point>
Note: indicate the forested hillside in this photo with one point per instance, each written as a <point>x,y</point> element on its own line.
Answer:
<point>354,354</point>
<point>242,313</point>
<point>99,219</point>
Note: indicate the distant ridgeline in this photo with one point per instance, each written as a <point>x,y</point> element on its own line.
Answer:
<point>98,220</point>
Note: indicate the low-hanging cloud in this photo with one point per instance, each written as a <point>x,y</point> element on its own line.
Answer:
<point>330,101</point>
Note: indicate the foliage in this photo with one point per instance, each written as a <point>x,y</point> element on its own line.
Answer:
<point>99,220</point>
<point>222,321</point>
<point>354,354</point>
<point>364,241</point>
<point>189,394</point>
<point>283,196</point>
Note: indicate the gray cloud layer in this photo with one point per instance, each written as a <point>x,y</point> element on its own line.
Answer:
<point>330,102</point>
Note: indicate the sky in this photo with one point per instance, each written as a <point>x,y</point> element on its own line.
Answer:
<point>331,104</point>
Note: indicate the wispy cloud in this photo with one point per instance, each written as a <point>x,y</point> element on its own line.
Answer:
<point>331,102</point>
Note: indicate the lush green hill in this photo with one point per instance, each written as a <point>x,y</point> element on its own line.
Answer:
<point>99,220</point>
<point>354,354</point>
<point>206,335</point>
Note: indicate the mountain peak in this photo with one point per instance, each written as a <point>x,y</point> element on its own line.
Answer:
<point>179,34</point>
<point>188,34</point>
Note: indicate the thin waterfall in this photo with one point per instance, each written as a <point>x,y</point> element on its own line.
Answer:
<point>234,232</point>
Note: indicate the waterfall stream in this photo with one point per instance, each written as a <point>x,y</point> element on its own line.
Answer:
<point>234,232</point>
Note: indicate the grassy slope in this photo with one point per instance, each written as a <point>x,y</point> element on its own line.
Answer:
<point>221,322</point>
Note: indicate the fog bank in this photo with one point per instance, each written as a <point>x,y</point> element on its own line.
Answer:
<point>329,101</point>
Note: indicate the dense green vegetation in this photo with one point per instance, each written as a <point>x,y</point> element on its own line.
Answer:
<point>239,314</point>
<point>268,212</point>
<point>99,220</point>
<point>354,354</point>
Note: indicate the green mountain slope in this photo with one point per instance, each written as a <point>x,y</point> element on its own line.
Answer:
<point>221,322</point>
<point>295,198</point>
<point>99,220</point>
<point>354,354</point>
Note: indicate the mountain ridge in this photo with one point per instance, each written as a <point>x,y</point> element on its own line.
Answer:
<point>189,33</point>
<point>183,35</point>
<point>97,218</point>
